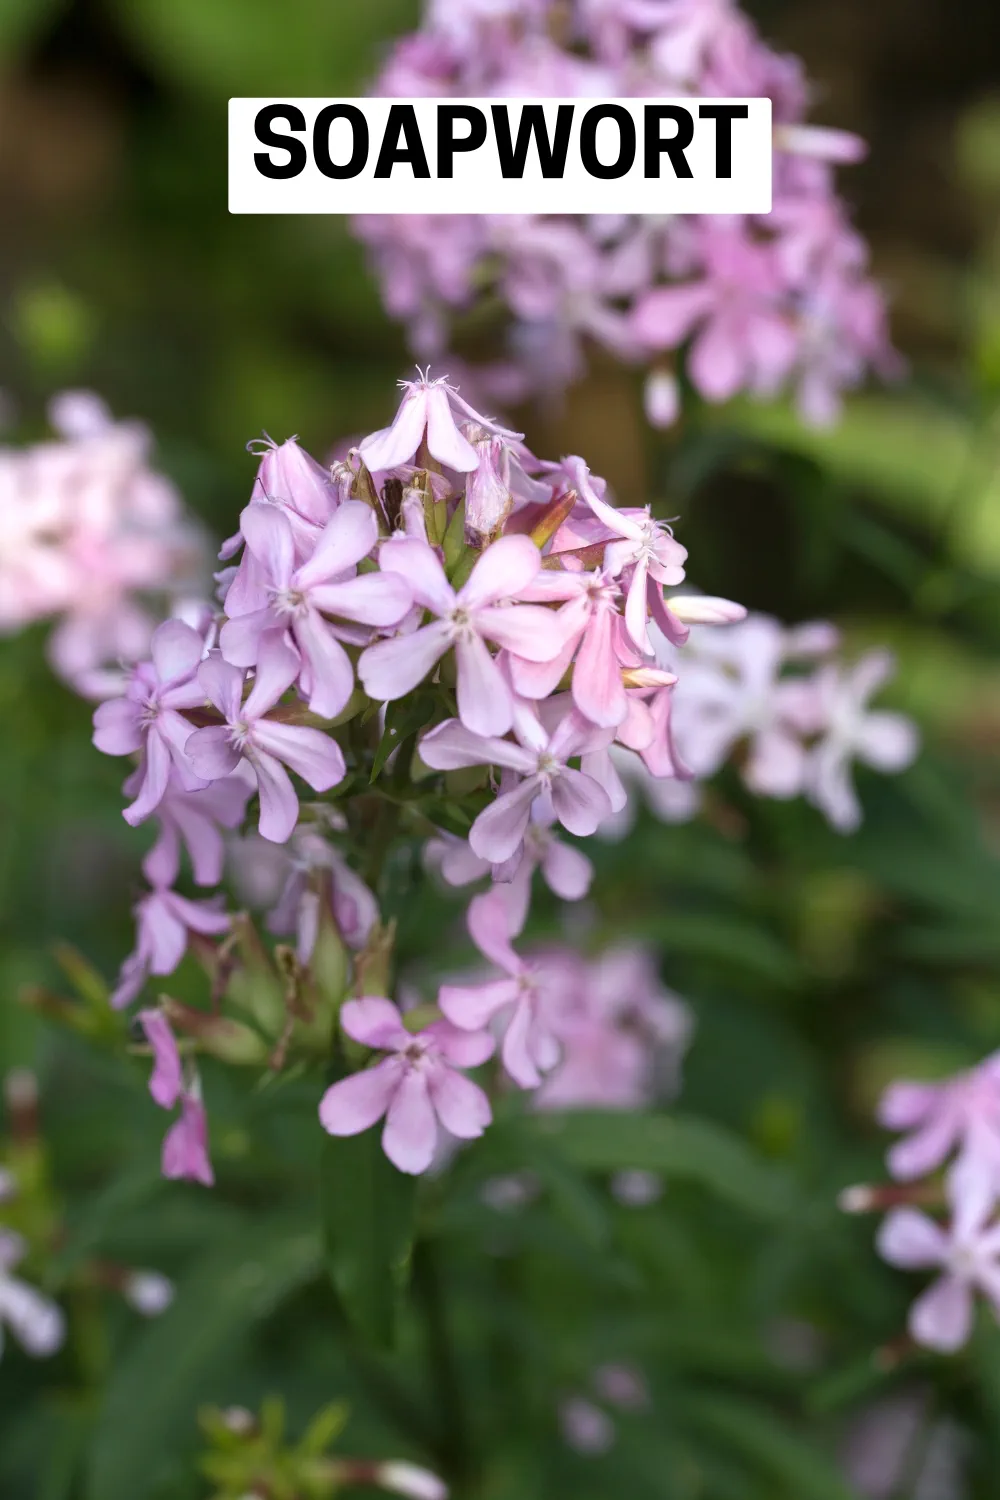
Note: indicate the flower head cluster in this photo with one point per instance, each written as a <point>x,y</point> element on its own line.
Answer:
<point>91,536</point>
<point>441,630</point>
<point>750,304</point>
<point>952,1125</point>
<point>781,699</point>
<point>441,559</point>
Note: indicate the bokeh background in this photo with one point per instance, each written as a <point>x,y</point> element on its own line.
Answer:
<point>818,967</point>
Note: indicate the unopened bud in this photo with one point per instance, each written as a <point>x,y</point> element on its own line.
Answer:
<point>220,1036</point>
<point>20,1091</point>
<point>703,609</point>
<point>841,147</point>
<point>238,1420</point>
<point>647,677</point>
<point>410,1480</point>
<point>552,517</point>
<point>878,1198</point>
<point>661,398</point>
<point>488,499</point>
<point>148,1292</point>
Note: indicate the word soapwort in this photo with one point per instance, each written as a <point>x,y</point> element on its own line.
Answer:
<point>462,156</point>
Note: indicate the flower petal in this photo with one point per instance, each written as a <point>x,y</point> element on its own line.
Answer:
<point>460,1104</point>
<point>579,802</point>
<point>410,1133</point>
<point>348,536</point>
<point>485,704</point>
<point>375,1022</point>
<point>503,569</point>
<point>500,828</point>
<point>355,1103</point>
<point>419,564</point>
<point>391,669</point>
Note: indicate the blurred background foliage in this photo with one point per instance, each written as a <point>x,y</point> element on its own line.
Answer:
<point>818,967</point>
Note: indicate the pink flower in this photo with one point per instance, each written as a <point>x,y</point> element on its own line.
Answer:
<point>354,908</point>
<point>166,1082</point>
<point>622,1036</point>
<point>530,995</point>
<point>743,335</point>
<point>645,549</point>
<point>960,1114</point>
<point>968,1251</point>
<point>185,1146</point>
<point>303,492</point>
<point>731,689</point>
<point>149,717</point>
<point>164,920</point>
<point>566,871</point>
<point>301,598</point>
<point>541,759</point>
<point>195,821</point>
<point>428,411</point>
<point>594,634</point>
<point>466,621</point>
<point>416,1087</point>
<point>34,1320</point>
<point>887,741</point>
<point>266,745</point>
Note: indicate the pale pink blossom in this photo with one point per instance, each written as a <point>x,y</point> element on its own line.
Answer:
<point>185,1146</point>
<point>631,285</point>
<point>958,1115</point>
<point>163,921</point>
<point>266,744</point>
<point>417,1087</point>
<point>194,821</point>
<point>429,412</point>
<point>541,758</point>
<point>150,718</point>
<point>887,741</point>
<point>644,549</point>
<point>302,599</point>
<point>967,1251</point>
<point>566,870</point>
<point>166,1083</point>
<point>527,1000</point>
<point>479,612</point>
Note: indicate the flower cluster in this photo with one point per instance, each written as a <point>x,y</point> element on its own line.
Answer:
<point>443,565</point>
<point>952,1125</point>
<point>91,536</point>
<point>446,632</point>
<point>794,712</point>
<point>754,303</point>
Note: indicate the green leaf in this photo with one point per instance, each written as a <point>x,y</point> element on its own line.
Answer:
<point>179,1360</point>
<point>368,1218</point>
<point>612,1141</point>
<point>759,1439</point>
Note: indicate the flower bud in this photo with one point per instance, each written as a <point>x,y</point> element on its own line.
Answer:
<point>220,1036</point>
<point>148,1292</point>
<point>410,1480</point>
<point>488,499</point>
<point>661,398</point>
